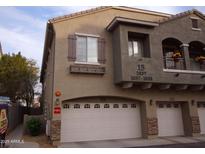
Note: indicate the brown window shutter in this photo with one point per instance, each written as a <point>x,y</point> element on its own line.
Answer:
<point>72,47</point>
<point>101,50</point>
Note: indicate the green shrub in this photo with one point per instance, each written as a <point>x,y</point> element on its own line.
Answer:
<point>34,126</point>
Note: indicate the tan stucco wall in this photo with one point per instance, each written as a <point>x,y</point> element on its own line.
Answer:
<point>48,82</point>
<point>80,85</point>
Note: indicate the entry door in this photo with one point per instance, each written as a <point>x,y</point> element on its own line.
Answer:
<point>170,121</point>
<point>98,121</point>
<point>201,113</point>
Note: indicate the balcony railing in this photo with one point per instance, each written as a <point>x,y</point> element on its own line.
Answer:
<point>177,63</point>
<point>196,65</point>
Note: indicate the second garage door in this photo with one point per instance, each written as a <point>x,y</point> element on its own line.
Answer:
<point>90,121</point>
<point>170,121</point>
<point>201,113</point>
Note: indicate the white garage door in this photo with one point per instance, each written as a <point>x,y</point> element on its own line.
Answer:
<point>201,113</point>
<point>87,122</point>
<point>170,121</point>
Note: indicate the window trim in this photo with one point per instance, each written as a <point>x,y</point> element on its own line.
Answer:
<point>196,29</point>
<point>197,20</point>
<point>88,35</point>
<point>89,63</point>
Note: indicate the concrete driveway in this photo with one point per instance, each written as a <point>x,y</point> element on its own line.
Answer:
<point>14,139</point>
<point>127,143</point>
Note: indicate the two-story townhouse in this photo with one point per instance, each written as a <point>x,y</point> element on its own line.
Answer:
<point>120,72</point>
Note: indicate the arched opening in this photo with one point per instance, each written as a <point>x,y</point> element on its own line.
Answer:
<point>197,55</point>
<point>172,53</point>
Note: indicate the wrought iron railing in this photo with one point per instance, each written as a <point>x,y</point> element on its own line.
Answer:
<point>196,65</point>
<point>174,63</point>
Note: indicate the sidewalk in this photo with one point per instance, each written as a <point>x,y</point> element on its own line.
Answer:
<point>128,143</point>
<point>14,139</point>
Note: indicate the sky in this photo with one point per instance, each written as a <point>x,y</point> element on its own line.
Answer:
<point>23,28</point>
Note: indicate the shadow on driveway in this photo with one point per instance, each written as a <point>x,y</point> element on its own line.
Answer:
<point>180,145</point>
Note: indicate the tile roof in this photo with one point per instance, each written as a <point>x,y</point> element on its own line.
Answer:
<point>79,13</point>
<point>183,14</point>
<point>101,8</point>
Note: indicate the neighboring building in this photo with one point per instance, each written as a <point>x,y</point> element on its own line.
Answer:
<point>120,72</point>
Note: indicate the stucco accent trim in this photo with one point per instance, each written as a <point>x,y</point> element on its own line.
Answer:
<point>118,20</point>
<point>87,69</point>
<point>196,29</point>
<point>184,45</point>
<point>183,71</point>
<point>89,35</point>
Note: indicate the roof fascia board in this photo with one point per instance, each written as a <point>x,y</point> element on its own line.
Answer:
<point>118,20</point>
<point>91,11</point>
<point>142,11</point>
<point>184,14</point>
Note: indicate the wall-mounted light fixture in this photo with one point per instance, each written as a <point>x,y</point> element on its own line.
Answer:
<point>176,75</point>
<point>203,76</point>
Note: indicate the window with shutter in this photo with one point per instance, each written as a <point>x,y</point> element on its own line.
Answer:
<point>86,49</point>
<point>72,47</point>
<point>101,50</point>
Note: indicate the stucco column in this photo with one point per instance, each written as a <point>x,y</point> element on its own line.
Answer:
<point>190,119</point>
<point>185,49</point>
<point>149,119</point>
<point>55,123</point>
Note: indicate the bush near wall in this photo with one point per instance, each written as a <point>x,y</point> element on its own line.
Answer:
<point>38,117</point>
<point>34,126</point>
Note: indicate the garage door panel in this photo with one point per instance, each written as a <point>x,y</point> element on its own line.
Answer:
<point>201,113</point>
<point>100,123</point>
<point>170,121</point>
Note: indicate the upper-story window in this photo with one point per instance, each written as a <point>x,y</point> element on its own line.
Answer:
<point>86,49</point>
<point>138,45</point>
<point>197,55</point>
<point>135,47</point>
<point>195,23</point>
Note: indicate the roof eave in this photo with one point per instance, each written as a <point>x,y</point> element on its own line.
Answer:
<point>102,8</point>
<point>118,20</point>
<point>45,50</point>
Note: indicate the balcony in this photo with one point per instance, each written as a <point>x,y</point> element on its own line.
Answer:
<point>141,60</point>
<point>177,63</point>
<point>197,66</point>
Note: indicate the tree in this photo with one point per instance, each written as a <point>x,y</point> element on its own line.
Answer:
<point>18,78</point>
